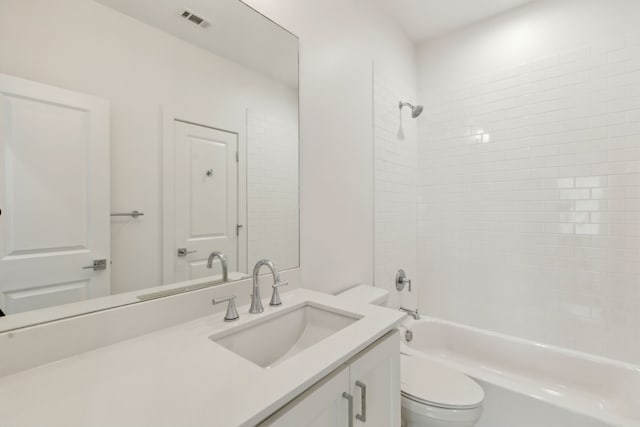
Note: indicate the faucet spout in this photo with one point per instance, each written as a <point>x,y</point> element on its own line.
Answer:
<point>223,261</point>
<point>256,303</point>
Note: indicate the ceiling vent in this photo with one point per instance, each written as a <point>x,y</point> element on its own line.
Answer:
<point>195,19</point>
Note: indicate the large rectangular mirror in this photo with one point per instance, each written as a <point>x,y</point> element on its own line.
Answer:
<point>138,137</point>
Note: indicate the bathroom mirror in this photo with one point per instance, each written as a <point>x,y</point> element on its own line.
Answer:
<point>136,138</point>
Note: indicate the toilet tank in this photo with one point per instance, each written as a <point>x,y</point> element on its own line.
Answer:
<point>366,294</point>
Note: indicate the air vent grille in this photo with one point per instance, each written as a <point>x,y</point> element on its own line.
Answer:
<point>195,19</point>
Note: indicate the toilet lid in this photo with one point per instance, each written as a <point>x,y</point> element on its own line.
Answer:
<point>434,384</point>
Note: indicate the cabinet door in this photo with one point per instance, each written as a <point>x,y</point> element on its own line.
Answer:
<point>375,384</point>
<point>323,405</point>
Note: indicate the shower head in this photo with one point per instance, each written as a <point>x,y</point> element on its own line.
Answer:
<point>415,111</point>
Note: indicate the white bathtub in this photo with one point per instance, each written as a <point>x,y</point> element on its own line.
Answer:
<point>595,387</point>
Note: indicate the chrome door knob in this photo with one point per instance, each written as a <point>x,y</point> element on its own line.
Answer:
<point>185,252</point>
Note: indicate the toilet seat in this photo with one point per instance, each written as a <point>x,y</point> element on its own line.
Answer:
<point>429,383</point>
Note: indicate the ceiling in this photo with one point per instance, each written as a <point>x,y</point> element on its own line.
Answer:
<point>426,19</point>
<point>237,32</point>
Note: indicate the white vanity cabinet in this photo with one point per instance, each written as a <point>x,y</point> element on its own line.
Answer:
<point>323,405</point>
<point>365,391</point>
<point>375,384</point>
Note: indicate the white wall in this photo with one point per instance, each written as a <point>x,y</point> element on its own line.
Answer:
<point>83,46</point>
<point>530,175</point>
<point>339,39</point>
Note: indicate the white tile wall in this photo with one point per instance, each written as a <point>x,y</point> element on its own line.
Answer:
<point>396,179</point>
<point>272,186</point>
<point>530,199</point>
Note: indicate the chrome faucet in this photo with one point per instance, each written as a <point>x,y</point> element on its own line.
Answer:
<point>412,313</point>
<point>256,303</point>
<point>223,261</point>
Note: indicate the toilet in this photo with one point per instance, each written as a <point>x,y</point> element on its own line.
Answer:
<point>433,395</point>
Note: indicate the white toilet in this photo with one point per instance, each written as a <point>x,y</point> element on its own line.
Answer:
<point>433,395</point>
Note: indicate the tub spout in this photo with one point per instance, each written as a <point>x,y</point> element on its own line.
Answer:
<point>412,313</point>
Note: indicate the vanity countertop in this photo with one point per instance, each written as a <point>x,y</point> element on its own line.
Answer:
<point>179,377</point>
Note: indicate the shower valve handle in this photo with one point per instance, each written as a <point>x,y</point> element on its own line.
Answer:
<point>402,280</point>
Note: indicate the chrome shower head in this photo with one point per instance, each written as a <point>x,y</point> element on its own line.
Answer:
<point>415,111</point>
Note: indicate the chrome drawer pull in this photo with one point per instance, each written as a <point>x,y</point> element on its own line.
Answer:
<point>350,400</point>
<point>363,406</point>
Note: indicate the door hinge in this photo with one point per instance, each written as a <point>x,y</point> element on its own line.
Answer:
<point>238,227</point>
<point>237,157</point>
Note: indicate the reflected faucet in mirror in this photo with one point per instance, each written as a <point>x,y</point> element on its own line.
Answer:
<point>223,262</point>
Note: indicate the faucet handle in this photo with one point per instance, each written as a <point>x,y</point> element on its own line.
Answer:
<point>275,297</point>
<point>232,311</point>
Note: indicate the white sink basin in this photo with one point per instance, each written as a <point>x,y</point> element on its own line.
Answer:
<point>277,338</point>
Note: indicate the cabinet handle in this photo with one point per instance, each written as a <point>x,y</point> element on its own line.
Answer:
<point>350,401</point>
<point>363,405</point>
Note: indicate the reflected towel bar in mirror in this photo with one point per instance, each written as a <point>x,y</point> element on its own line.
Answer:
<point>134,214</point>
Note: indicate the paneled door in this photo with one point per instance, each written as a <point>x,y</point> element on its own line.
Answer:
<point>205,199</point>
<point>54,196</point>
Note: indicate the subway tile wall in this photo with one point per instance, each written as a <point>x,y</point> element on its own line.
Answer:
<point>272,186</point>
<point>529,193</point>
<point>396,197</point>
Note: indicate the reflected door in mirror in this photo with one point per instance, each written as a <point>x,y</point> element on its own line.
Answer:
<point>54,195</point>
<point>206,199</point>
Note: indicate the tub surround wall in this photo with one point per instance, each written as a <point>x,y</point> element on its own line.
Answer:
<point>530,175</point>
<point>396,180</point>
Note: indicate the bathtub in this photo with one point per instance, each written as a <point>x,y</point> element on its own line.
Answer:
<point>598,391</point>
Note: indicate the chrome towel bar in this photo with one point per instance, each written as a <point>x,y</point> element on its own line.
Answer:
<point>134,214</point>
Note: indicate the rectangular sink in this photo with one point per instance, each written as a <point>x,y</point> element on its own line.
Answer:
<point>281,336</point>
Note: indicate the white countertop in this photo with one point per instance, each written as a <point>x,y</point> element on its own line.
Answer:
<point>78,308</point>
<point>179,377</point>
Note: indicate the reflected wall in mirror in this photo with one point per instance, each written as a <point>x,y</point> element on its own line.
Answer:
<point>186,112</point>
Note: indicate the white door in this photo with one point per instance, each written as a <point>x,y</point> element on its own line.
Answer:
<point>323,405</point>
<point>205,199</point>
<point>375,384</point>
<point>54,195</point>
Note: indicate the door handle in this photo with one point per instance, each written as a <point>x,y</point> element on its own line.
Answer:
<point>185,252</point>
<point>363,405</point>
<point>350,403</point>
<point>98,264</point>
